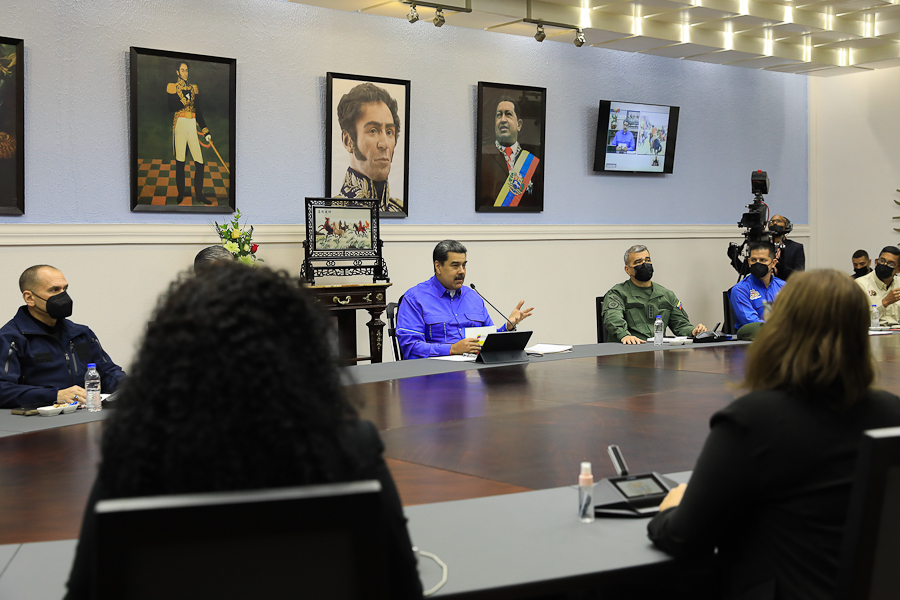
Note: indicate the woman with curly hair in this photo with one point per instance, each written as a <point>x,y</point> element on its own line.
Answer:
<point>772,485</point>
<point>234,388</point>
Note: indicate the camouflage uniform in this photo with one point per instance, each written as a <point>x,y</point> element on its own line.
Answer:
<point>631,310</point>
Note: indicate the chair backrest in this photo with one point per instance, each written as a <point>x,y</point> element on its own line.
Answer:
<point>602,333</point>
<point>871,547</point>
<point>728,319</point>
<point>391,311</point>
<point>322,541</point>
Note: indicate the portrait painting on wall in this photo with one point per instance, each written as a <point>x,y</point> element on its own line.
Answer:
<point>182,132</point>
<point>509,162</point>
<point>367,141</point>
<point>12,127</point>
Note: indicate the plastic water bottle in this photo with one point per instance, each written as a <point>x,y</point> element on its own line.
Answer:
<point>92,387</point>
<point>586,494</point>
<point>875,321</point>
<point>658,330</point>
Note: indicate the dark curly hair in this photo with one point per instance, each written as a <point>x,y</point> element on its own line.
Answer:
<point>234,387</point>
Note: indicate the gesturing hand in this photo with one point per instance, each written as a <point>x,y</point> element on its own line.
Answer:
<point>518,315</point>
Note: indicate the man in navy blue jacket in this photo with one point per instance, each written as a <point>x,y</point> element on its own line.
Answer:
<point>44,356</point>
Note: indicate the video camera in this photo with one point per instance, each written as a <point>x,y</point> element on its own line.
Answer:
<point>753,222</point>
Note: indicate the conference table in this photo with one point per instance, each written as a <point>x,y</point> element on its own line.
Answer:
<point>485,459</point>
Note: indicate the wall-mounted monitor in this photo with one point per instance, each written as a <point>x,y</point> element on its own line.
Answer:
<point>636,138</point>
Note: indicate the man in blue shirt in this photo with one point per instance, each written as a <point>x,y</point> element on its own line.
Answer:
<point>624,138</point>
<point>433,316</point>
<point>761,285</point>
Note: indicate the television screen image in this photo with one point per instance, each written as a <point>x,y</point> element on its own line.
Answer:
<point>636,138</point>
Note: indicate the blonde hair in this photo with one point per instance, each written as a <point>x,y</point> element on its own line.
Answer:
<point>816,341</point>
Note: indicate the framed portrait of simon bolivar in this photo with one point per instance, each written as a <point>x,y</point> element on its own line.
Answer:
<point>12,127</point>
<point>182,132</point>
<point>367,141</point>
<point>509,158</point>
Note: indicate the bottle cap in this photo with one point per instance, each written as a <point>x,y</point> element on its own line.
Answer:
<point>92,365</point>
<point>660,316</point>
<point>586,468</point>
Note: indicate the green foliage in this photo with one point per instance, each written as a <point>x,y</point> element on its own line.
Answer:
<point>238,240</point>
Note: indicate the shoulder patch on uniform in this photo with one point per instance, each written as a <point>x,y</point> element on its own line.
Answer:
<point>754,295</point>
<point>614,303</point>
<point>678,304</point>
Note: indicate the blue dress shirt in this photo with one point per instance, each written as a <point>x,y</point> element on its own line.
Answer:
<point>429,320</point>
<point>747,299</point>
<point>626,138</point>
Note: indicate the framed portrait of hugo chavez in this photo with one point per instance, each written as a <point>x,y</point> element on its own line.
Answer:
<point>182,132</point>
<point>12,127</point>
<point>367,141</point>
<point>509,159</point>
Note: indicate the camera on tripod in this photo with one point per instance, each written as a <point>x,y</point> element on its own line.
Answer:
<point>753,222</point>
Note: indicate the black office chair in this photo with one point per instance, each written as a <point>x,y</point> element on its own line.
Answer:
<point>321,541</point>
<point>391,311</point>
<point>728,320</point>
<point>868,565</point>
<point>602,333</point>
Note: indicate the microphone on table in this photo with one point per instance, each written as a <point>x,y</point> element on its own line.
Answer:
<point>505,319</point>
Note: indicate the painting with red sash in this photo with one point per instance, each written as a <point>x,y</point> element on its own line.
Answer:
<point>509,164</point>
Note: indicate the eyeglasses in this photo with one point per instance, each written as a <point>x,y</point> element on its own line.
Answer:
<point>887,263</point>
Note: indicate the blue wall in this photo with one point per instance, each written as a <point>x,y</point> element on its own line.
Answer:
<point>733,120</point>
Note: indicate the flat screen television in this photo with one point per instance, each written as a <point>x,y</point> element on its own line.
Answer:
<point>636,138</point>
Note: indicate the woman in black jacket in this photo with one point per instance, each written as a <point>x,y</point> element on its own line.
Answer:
<point>772,485</point>
<point>234,388</point>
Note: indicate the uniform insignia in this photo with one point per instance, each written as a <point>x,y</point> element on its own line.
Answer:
<point>754,295</point>
<point>680,305</point>
<point>614,303</point>
<point>360,186</point>
<point>872,293</point>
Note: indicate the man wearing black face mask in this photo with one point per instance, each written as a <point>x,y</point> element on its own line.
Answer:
<point>44,356</point>
<point>882,288</point>
<point>759,286</point>
<point>789,253</point>
<point>630,308</point>
<point>862,265</point>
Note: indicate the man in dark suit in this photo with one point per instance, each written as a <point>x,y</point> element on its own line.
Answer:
<point>512,175</point>
<point>790,253</point>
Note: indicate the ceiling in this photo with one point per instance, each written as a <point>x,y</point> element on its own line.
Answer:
<point>819,38</point>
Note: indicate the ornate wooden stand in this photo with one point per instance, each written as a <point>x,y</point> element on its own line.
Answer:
<point>344,301</point>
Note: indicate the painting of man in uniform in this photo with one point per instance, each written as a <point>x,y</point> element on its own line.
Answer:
<point>183,142</point>
<point>368,135</point>
<point>11,128</point>
<point>340,228</point>
<point>509,171</point>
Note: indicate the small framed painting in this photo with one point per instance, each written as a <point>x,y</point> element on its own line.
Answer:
<point>344,234</point>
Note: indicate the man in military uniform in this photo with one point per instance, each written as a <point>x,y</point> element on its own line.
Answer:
<point>370,124</point>
<point>630,308</point>
<point>183,102</point>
